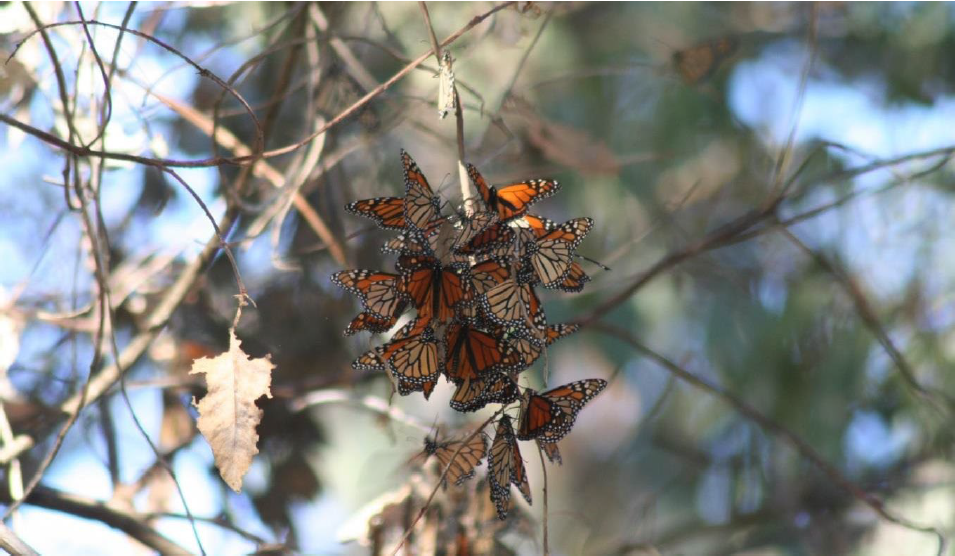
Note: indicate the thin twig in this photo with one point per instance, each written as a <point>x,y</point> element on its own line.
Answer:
<point>371,403</point>
<point>868,316</point>
<point>444,475</point>
<point>135,349</point>
<point>776,429</point>
<point>540,453</point>
<point>13,544</point>
<point>126,520</point>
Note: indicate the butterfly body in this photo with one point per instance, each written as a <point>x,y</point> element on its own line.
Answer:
<point>549,416</point>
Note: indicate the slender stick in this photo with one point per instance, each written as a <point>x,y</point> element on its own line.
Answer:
<point>778,430</point>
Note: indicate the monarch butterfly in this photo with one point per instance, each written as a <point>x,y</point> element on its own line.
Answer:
<point>378,291</point>
<point>698,62</point>
<point>485,275</point>
<point>475,393</point>
<point>530,348</point>
<point>422,206</point>
<point>512,200</point>
<point>573,280</point>
<point>406,387</point>
<point>472,226</point>
<point>434,289</point>
<point>495,240</point>
<point>471,352</point>
<point>418,241</point>
<point>549,416</point>
<point>413,359</point>
<point>370,360</point>
<point>462,465</point>
<point>387,212</point>
<point>505,466</point>
<point>552,253</point>
<point>538,224</point>
<point>514,303</point>
<point>366,320</point>
<point>551,451</point>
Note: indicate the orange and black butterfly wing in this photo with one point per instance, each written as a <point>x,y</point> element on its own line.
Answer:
<point>537,413</point>
<point>453,290</point>
<point>387,212</point>
<point>486,275</point>
<point>574,279</point>
<point>472,352</point>
<point>549,416</point>
<point>371,322</point>
<point>474,394</point>
<point>500,389</point>
<point>495,240</point>
<point>511,201</point>
<point>472,226</point>
<point>468,456</point>
<point>415,359</point>
<point>552,254</point>
<point>488,193</point>
<point>557,331</point>
<point>406,388</point>
<point>514,303</point>
<point>506,466</point>
<point>370,361</point>
<point>377,291</point>
<point>421,206</point>
<point>539,225</point>
<point>529,348</point>
<point>467,395</point>
<point>417,281</point>
<point>551,451</point>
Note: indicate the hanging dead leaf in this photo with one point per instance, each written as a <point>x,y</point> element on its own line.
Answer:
<point>227,414</point>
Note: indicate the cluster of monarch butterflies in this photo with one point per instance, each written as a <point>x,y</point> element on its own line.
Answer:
<point>470,280</point>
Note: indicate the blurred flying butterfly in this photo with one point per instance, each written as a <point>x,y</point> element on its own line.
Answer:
<point>700,61</point>
<point>506,466</point>
<point>469,456</point>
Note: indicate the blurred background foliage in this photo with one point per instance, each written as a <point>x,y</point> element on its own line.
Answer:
<point>663,122</point>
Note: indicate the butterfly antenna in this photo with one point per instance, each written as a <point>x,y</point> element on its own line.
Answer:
<point>598,263</point>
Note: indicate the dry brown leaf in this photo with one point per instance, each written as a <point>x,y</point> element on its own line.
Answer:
<point>227,413</point>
